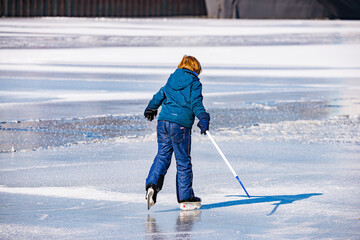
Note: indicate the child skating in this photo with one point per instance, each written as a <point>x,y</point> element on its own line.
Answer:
<point>181,100</point>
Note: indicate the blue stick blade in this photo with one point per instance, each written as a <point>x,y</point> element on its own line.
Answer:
<point>237,177</point>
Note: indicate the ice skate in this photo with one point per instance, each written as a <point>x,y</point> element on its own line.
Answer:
<point>190,204</point>
<point>150,197</point>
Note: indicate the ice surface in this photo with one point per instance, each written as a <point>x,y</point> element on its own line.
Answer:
<point>284,99</point>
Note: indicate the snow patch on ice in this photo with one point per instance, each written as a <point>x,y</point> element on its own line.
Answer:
<point>239,71</point>
<point>68,96</point>
<point>64,165</point>
<point>305,131</point>
<point>86,193</point>
<point>343,129</point>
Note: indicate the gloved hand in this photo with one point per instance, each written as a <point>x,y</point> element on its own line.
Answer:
<point>204,122</point>
<point>150,114</point>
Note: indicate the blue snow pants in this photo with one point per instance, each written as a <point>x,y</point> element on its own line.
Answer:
<point>173,137</point>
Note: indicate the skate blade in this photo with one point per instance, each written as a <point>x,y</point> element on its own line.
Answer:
<point>149,197</point>
<point>188,206</point>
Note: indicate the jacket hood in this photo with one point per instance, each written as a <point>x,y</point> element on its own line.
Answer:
<point>181,78</point>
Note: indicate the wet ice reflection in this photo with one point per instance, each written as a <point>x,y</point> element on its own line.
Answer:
<point>183,226</point>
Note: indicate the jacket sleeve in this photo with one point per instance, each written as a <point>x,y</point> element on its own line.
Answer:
<point>157,99</point>
<point>196,99</point>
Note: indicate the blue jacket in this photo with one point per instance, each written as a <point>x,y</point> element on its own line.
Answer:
<point>181,98</point>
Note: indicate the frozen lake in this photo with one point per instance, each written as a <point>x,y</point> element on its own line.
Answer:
<point>284,98</point>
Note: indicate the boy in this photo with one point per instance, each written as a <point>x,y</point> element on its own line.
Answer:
<point>181,101</point>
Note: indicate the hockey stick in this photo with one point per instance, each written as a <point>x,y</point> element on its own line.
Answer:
<point>226,161</point>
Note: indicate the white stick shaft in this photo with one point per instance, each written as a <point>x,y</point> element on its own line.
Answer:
<point>221,153</point>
